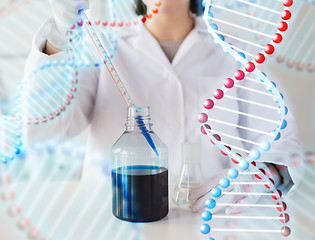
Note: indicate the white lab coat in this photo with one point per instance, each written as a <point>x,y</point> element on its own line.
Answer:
<point>174,91</point>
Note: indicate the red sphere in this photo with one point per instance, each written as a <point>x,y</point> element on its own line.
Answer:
<point>285,231</point>
<point>158,3</point>
<point>223,153</point>
<point>208,104</point>
<point>249,67</point>
<point>269,49</point>
<point>280,58</point>
<point>287,3</point>
<point>104,23</point>
<point>34,233</point>
<point>228,83</point>
<point>202,117</point>
<point>272,181</point>
<point>263,172</point>
<point>275,196</point>
<point>277,38</point>
<point>155,10</point>
<point>282,206</point>
<point>218,94</point>
<point>310,67</point>
<point>57,113</point>
<point>260,58</point>
<point>239,75</point>
<point>217,137</point>
<point>300,66</point>
<point>285,14</point>
<point>143,19</point>
<point>112,23</point>
<point>282,26</point>
<point>202,129</point>
<point>120,23</point>
<point>286,218</point>
<point>290,63</point>
<point>234,160</point>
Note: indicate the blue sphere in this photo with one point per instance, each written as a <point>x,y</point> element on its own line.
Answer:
<point>214,26</point>
<point>243,165</point>
<point>233,173</point>
<point>242,55</point>
<point>277,137</point>
<point>284,124</point>
<point>211,203</point>
<point>216,192</point>
<point>18,151</point>
<point>221,37</point>
<point>265,146</point>
<point>206,216</point>
<point>224,183</point>
<point>210,16</point>
<point>285,110</point>
<point>41,66</point>
<point>210,239</point>
<point>255,154</point>
<point>205,229</point>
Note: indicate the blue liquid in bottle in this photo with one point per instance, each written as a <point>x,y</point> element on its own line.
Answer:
<point>140,193</point>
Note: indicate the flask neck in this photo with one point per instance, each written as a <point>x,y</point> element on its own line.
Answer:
<point>138,117</point>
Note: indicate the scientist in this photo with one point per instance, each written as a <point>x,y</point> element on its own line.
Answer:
<point>171,64</point>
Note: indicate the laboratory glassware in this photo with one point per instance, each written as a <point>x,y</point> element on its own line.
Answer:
<point>190,176</point>
<point>139,176</point>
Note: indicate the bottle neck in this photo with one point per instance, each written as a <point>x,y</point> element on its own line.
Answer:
<point>138,118</point>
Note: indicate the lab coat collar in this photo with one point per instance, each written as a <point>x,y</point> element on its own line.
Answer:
<point>142,40</point>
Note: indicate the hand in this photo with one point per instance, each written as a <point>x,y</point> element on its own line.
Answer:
<point>202,193</point>
<point>65,13</point>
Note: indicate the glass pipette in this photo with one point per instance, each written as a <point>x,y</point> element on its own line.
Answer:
<point>114,75</point>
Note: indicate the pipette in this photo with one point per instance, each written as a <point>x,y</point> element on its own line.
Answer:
<point>115,77</point>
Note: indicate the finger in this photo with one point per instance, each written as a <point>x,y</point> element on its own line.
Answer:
<point>236,209</point>
<point>199,204</point>
<point>205,187</point>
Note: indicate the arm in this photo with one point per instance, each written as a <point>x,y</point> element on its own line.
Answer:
<point>78,114</point>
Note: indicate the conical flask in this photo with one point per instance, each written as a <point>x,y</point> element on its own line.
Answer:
<point>190,176</point>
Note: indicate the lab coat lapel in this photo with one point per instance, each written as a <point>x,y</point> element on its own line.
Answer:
<point>145,43</point>
<point>193,38</point>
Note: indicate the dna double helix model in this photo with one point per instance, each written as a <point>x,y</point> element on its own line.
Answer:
<point>243,119</point>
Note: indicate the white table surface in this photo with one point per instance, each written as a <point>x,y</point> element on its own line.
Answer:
<point>86,211</point>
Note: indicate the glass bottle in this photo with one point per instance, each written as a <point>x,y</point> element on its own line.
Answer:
<point>190,176</point>
<point>139,175</point>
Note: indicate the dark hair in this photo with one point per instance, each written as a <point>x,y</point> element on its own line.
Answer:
<point>195,7</point>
